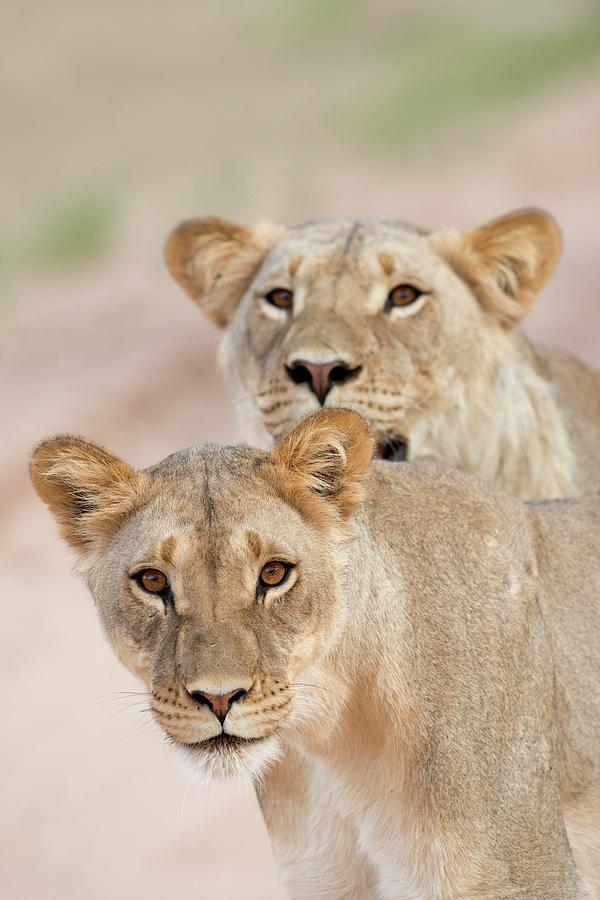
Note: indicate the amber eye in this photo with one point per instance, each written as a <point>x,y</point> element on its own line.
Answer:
<point>281,298</point>
<point>152,580</point>
<point>403,295</point>
<point>274,573</point>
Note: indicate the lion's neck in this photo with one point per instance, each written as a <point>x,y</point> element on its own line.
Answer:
<point>505,428</point>
<point>366,738</point>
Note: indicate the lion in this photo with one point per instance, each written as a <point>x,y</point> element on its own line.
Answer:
<point>415,330</point>
<point>404,658</point>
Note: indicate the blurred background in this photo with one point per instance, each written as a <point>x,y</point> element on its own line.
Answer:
<point>118,120</point>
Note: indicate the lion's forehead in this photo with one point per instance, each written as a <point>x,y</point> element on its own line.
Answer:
<point>211,514</point>
<point>362,251</point>
<point>336,229</point>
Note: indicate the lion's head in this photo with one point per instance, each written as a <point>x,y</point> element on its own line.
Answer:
<point>216,574</point>
<point>381,317</point>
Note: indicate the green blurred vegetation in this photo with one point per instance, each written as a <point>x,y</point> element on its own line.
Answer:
<point>75,232</point>
<point>453,77</point>
<point>224,97</point>
<point>390,79</point>
<point>71,233</point>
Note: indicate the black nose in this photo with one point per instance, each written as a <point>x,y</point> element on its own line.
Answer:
<point>219,703</point>
<point>321,377</point>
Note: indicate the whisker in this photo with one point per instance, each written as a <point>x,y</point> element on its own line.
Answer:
<point>318,687</point>
<point>260,395</point>
<point>146,726</point>
<point>114,715</point>
<point>120,695</point>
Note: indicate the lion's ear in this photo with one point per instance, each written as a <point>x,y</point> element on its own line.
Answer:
<point>324,458</point>
<point>507,261</point>
<point>215,260</point>
<point>88,490</point>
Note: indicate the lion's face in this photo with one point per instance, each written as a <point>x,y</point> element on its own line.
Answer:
<point>355,317</point>
<point>219,628</point>
<point>375,316</point>
<point>216,575</point>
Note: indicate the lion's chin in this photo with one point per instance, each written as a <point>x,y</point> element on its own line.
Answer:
<point>226,757</point>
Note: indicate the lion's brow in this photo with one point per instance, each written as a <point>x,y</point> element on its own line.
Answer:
<point>167,549</point>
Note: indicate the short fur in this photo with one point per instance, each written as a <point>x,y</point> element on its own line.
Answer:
<point>451,374</point>
<point>422,707</point>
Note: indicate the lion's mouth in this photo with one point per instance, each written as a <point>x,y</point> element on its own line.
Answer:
<point>231,741</point>
<point>393,449</point>
<point>225,742</point>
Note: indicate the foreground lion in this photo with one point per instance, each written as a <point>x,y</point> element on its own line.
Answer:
<point>407,664</point>
<point>416,331</point>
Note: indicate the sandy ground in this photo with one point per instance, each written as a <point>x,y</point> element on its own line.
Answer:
<point>92,804</point>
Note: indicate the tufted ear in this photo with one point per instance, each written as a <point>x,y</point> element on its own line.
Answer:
<point>507,261</point>
<point>324,458</point>
<point>88,490</point>
<point>215,260</point>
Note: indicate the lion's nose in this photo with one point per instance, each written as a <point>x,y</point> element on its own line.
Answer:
<point>219,703</point>
<point>321,377</point>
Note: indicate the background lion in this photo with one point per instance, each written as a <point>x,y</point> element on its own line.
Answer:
<point>416,330</point>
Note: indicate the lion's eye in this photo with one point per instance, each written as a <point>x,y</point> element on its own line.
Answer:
<point>402,295</point>
<point>152,580</point>
<point>281,298</point>
<point>274,573</point>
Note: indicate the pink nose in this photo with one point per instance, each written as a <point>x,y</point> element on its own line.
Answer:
<point>220,704</point>
<point>321,377</point>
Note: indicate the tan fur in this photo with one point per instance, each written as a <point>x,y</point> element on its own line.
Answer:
<point>451,374</point>
<point>322,460</point>
<point>215,261</point>
<point>422,702</point>
<point>507,261</point>
<point>87,489</point>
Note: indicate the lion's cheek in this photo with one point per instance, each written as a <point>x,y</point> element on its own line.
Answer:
<point>305,653</point>
<point>134,657</point>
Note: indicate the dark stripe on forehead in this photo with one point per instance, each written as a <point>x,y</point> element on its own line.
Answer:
<point>211,554</point>
<point>355,228</point>
<point>370,224</point>
<point>209,503</point>
<point>324,231</point>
